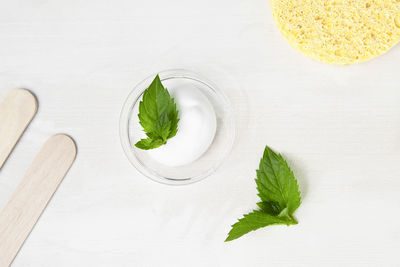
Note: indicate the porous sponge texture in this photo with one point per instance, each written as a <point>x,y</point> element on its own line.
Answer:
<point>339,31</point>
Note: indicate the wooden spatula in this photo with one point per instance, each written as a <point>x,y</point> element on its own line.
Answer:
<point>31,196</point>
<point>17,109</point>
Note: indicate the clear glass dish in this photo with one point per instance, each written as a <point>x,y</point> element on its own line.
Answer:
<point>203,166</point>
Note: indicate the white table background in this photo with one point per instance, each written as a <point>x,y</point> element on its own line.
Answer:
<point>339,128</point>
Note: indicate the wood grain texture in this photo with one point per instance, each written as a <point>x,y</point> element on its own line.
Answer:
<point>33,193</point>
<point>16,112</point>
<point>339,129</point>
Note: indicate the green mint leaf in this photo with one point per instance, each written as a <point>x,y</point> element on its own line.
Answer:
<point>158,116</point>
<point>149,143</point>
<point>280,197</point>
<point>272,208</point>
<point>255,220</point>
<point>173,117</point>
<point>276,183</point>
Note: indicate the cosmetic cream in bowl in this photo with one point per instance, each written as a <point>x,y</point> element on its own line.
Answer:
<point>205,136</point>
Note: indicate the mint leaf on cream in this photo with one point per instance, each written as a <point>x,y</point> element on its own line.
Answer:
<point>158,116</point>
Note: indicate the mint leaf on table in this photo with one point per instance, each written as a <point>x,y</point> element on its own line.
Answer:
<point>279,193</point>
<point>253,221</point>
<point>276,183</point>
<point>158,116</point>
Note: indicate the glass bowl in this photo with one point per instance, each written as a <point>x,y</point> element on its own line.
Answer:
<point>202,167</point>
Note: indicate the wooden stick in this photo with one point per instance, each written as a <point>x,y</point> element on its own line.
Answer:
<point>16,112</point>
<point>33,193</point>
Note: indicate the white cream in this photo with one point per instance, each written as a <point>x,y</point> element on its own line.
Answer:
<point>196,129</point>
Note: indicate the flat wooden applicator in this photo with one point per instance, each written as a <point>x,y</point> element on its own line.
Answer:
<point>31,196</point>
<point>17,109</point>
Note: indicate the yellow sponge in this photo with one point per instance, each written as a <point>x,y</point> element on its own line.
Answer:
<point>339,31</point>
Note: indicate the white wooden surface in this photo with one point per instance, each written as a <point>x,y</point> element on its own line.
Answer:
<point>339,127</point>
